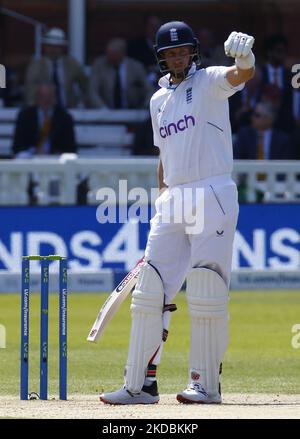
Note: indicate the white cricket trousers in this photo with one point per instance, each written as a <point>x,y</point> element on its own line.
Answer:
<point>175,246</point>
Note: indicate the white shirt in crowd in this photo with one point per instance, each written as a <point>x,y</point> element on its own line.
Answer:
<point>275,75</point>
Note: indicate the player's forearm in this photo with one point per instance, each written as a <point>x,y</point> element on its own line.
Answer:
<point>236,76</point>
<point>160,175</point>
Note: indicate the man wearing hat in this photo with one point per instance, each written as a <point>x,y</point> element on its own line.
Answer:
<point>57,67</point>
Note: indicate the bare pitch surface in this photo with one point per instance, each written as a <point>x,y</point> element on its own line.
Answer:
<point>235,406</point>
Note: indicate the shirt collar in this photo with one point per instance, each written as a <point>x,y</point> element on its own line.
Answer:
<point>164,81</point>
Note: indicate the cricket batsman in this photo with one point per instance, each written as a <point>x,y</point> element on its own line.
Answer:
<point>191,128</point>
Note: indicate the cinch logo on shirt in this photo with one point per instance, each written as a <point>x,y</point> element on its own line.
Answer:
<point>174,128</point>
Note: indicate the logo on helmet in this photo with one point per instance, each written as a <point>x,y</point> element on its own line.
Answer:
<point>173,34</point>
<point>173,128</point>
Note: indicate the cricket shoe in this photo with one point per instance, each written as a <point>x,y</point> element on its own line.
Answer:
<point>148,395</point>
<point>196,394</point>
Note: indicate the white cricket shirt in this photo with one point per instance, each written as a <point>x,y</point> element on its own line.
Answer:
<point>191,125</point>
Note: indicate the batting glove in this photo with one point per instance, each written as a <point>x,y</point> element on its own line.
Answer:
<point>238,46</point>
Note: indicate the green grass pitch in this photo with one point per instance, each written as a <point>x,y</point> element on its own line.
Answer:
<point>260,357</point>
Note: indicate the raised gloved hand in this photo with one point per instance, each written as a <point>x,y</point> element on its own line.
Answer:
<point>238,46</point>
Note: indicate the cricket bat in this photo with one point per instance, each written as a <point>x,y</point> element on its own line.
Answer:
<point>113,302</point>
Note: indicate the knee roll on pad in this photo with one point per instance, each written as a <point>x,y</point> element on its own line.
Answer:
<point>207,297</point>
<point>146,326</point>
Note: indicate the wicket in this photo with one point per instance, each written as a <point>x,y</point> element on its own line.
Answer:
<point>25,293</point>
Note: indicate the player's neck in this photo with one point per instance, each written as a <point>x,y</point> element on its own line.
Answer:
<point>175,81</point>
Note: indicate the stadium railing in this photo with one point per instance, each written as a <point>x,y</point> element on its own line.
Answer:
<point>56,179</point>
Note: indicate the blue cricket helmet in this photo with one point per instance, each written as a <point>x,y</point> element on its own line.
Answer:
<point>175,34</point>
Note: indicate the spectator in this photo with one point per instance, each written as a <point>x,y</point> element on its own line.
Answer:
<point>271,94</point>
<point>44,128</point>
<point>56,66</point>
<point>118,81</point>
<point>274,72</point>
<point>262,140</point>
<point>242,104</point>
<point>143,141</point>
<point>296,105</point>
<point>10,96</point>
<point>296,144</point>
<point>141,48</point>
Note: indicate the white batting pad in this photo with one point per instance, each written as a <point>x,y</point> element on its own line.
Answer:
<point>146,326</point>
<point>207,297</point>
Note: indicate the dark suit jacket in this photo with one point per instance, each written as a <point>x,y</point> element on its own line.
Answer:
<point>285,119</point>
<point>296,143</point>
<point>287,76</point>
<point>27,131</point>
<point>10,94</point>
<point>246,145</point>
<point>235,104</point>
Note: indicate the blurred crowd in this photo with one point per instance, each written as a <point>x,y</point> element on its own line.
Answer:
<point>265,116</point>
